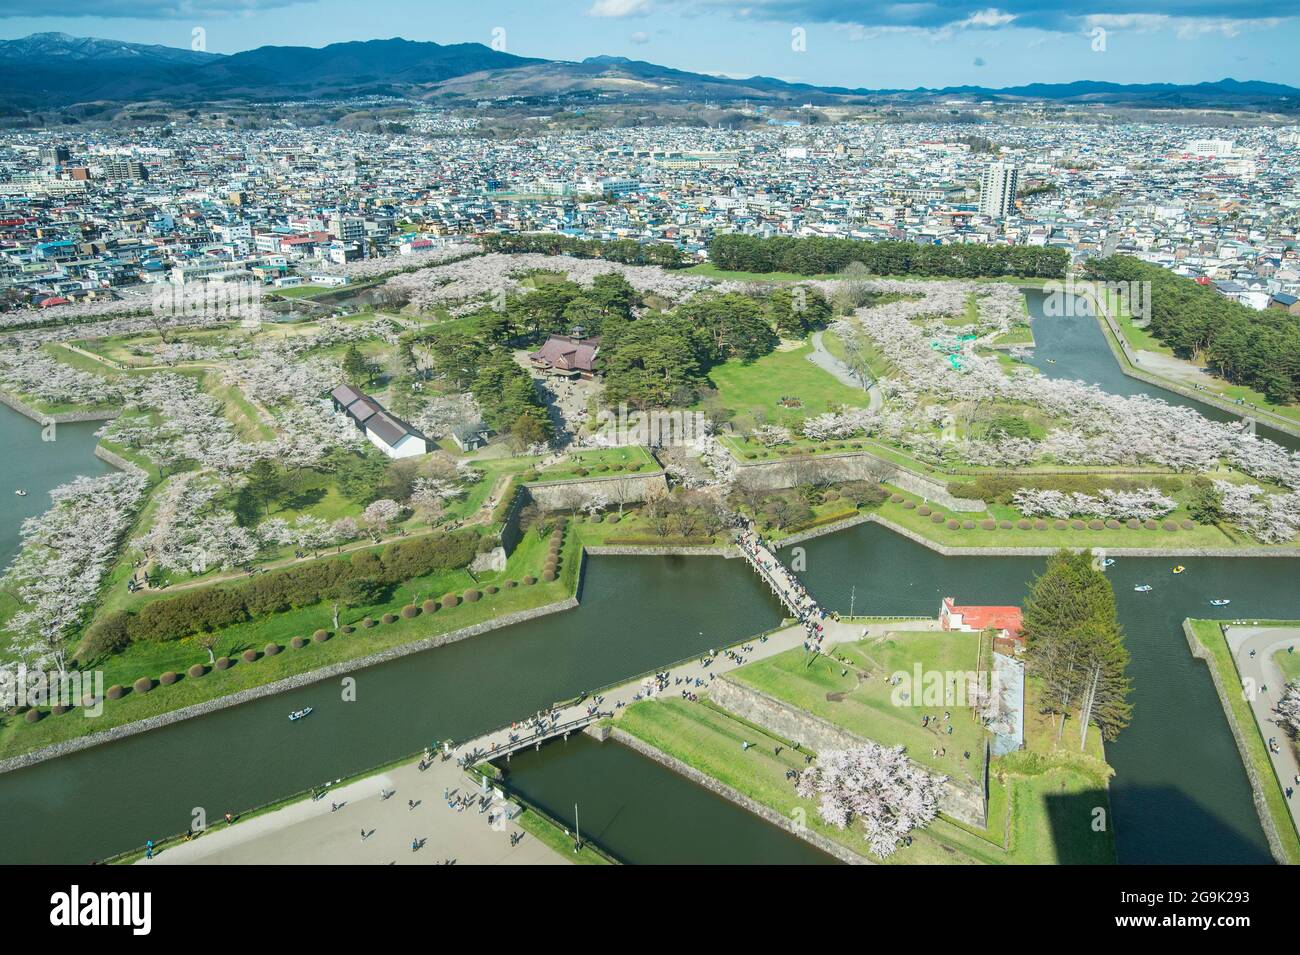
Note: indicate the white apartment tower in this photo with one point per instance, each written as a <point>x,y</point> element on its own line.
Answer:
<point>998,189</point>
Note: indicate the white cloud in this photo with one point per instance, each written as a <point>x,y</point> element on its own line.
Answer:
<point>620,8</point>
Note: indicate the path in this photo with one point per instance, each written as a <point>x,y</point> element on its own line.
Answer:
<point>308,832</point>
<point>1266,641</point>
<point>824,360</point>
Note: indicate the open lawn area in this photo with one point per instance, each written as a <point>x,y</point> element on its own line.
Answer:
<point>601,462</point>
<point>853,691</point>
<point>757,389</point>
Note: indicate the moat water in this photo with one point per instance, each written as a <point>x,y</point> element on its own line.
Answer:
<point>1180,793</point>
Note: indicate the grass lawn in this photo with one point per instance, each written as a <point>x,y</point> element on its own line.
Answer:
<point>1209,635</point>
<point>153,659</point>
<point>600,462</point>
<point>756,388</point>
<point>1289,664</point>
<point>853,691</point>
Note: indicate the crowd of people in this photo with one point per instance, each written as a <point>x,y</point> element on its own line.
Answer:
<point>808,612</point>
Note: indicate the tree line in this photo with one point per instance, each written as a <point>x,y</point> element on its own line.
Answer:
<point>818,255</point>
<point>1258,348</point>
<point>625,251</point>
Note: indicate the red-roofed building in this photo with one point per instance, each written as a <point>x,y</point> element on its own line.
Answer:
<point>969,618</point>
<point>568,357</point>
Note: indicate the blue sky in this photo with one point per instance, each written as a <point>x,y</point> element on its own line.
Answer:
<point>877,45</point>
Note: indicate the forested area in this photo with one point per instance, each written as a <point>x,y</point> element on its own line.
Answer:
<point>815,255</point>
<point>626,251</point>
<point>1249,347</point>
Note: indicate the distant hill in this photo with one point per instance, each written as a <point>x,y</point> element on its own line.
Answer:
<point>47,70</point>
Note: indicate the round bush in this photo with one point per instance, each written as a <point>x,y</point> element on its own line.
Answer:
<point>1060,525</point>
<point>509,584</point>
<point>197,671</point>
<point>347,628</point>
<point>1023,524</point>
<point>368,622</point>
<point>168,678</point>
<point>1171,525</point>
<point>320,636</point>
<point>33,716</point>
<point>548,575</point>
<point>388,618</point>
<point>953,523</point>
<point>250,655</point>
<point>58,709</point>
<point>989,524</point>
<point>968,525</point>
<point>1040,525</point>
<point>1113,524</point>
<point>1188,525</point>
<point>472,596</point>
<point>490,589</point>
<point>298,643</point>
<point>909,505</point>
<point>1077,524</point>
<point>1005,525</point>
<point>449,600</point>
<point>529,580</point>
<point>614,518</point>
<point>223,663</point>
<point>271,649</point>
<point>429,606</point>
<point>89,700</point>
<point>1133,523</point>
<point>116,691</point>
<point>924,510</point>
<point>142,685</point>
<point>896,498</point>
<point>410,611</point>
<point>1096,525</point>
<point>597,518</point>
<point>936,518</point>
<point>1152,525</point>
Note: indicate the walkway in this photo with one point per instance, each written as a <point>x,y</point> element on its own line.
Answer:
<point>824,360</point>
<point>309,832</point>
<point>1265,642</point>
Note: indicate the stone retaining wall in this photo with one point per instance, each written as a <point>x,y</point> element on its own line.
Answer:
<point>635,550</point>
<point>848,466</point>
<point>119,462</point>
<point>1266,820</point>
<point>270,689</point>
<point>65,417</point>
<point>740,799</point>
<point>570,495</point>
<point>960,801</point>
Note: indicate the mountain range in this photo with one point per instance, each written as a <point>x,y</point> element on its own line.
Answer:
<point>50,70</point>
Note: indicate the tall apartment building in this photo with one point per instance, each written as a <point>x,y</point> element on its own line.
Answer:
<point>998,189</point>
<point>125,169</point>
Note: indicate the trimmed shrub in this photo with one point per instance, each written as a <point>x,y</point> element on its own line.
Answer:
<point>388,618</point>
<point>1133,523</point>
<point>989,524</point>
<point>909,505</point>
<point>548,575</point>
<point>1113,524</point>
<point>1096,525</point>
<point>449,600</point>
<point>297,643</point>
<point>924,510</point>
<point>491,589</point>
<point>271,649</point>
<point>1152,525</point>
<point>509,584</point>
<point>1171,525</point>
<point>347,628</point>
<point>33,716</point>
<point>58,709</point>
<point>1005,525</point>
<point>1187,524</point>
<point>896,498</point>
<point>613,518</point>
<point>106,636</point>
<point>1040,525</point>
<point>410,612</point>
<point>1060,525</point>
<point>936,518</point>
<point>368,622</point>
<point>968,525</point>
<point>1077,524</point>
<point>953,524</point>
<point>142,685</point>
<point>1023,524</point>
<point>320,636</point>
<point>529,580</point>
<point>250,655</point>
<point>429,606</point>
<point>197,671</point>
<point>168,678</point>
<point>223,663</point>
<point>472,595</point>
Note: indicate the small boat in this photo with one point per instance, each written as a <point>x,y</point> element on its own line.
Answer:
<point>1179,569</point>
<point>1108,562</point>
<point>1143,588</point>
<point>1220,602</point>
<point>20,492</point>
<point>299,714</point>
<point>1050,361</point>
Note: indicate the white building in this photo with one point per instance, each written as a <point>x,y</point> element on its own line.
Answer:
<point>391,435</point>
<point>998,190</point>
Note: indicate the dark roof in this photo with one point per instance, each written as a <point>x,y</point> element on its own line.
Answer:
<point>568,354</point>
<point>389,429</point>
<point>345,395</point>
<point>363,408</point>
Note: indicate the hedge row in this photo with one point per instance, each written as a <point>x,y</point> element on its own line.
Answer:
<point>208,609</point>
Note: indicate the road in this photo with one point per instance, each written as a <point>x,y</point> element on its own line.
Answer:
<point>824,360</point>
<point>1266,642</point>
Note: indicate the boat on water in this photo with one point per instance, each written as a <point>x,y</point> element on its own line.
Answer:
<point>20,492</point>
<point>1221,602</point>
<point>299,714</point>
<point>1050,361</point>
<point>1108,562</point>
<point>1143,588</point>
<point>1179,569</point>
